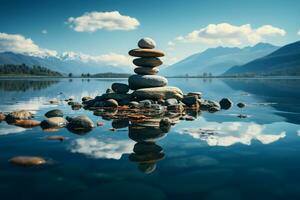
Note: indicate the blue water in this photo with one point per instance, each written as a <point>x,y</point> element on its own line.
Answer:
<point>252,158</point>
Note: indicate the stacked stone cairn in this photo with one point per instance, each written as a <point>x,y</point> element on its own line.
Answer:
<point>146,83</point>
<point>150,92</point>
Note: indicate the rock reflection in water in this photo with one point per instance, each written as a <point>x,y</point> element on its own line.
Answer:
<point>146,153</point>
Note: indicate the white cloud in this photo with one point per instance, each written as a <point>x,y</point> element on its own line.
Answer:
<point>231,35</point>
<point>111,58</point>
<point>44,31</point>
<point>298,33</point>
<point>102,148</point>
<point>229,133</point>
<point>93,21</point>
<point>19,44</point>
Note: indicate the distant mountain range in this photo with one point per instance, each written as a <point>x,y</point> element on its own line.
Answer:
<point>284,61</point>
<point>218,60</point>
<point>64,64</point>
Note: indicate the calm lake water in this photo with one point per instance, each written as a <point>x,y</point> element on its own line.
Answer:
<point>253,158</point>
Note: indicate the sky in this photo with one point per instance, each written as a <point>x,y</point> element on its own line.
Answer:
<point>105,30</point>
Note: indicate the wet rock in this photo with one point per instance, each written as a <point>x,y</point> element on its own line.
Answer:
<point>146,70</point>
<point>171,101</point>
<point>27,161</point>
<point>80,124</point>
<point>76,106</point>
<point>120,88</point>
<point>115,96</point>
<point>225,103</point>
<point>146,43</point>
<point>242,116</point>
<point>18,115</point>
<point>146,53</point>
<point>176,108</point>
<point>190,100</point>
<point>145,103</point>
<point>120,123</point>
<point>146,81</point>
<point>54,113</point>
<point>157,93</point>
<point>111,103</point>
<point>54,101</point>
<point>165,125</point>
<point>198,94</point>
<point>124,102</point>
<point>56,137</point>
<point>54,122</point>
<point>86,98</point>
<point>134,104</point>
<point>241,105</point>
<point>147,62</point>
<point>209,105</point>
<point>27,123</point>
<point>109,91</point>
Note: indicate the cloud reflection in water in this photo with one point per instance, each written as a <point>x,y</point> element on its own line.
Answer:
<point>102,147</point>
<point>229,133</point>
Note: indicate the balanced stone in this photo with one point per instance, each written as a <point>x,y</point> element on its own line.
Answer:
<point>146,81</point>
<point>146,70</point>
<point>146,53</point>
<point>146,43</point>
<point>156,93</point>
<point>147,62</point>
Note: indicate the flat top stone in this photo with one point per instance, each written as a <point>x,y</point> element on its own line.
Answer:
<point>146,43</point>
<point>146,53</point>
<point>146,81</point>
<point>165,92</point>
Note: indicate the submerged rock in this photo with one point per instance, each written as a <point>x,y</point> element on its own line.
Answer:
<point>147,62</point>
<point>146,81</point>
<point>157,93</point>
<point>18,115</point>
<point>27,123</point>
<point>211,106</point>
<point>54,122</point>
<point>80,124</point>
<point>225,103</point>
<point>54,113</point>
<point>165,124</point>
<point>146,53</point>
<point>27,161</point>
<point>146,43</point>
<point>190,100</point>
<point>120,88</point>
<point>241,105</point>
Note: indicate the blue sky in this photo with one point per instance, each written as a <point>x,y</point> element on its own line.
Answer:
<point>180,28</point>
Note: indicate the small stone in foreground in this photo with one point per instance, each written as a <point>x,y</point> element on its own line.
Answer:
<point>54,113</point>
<point>27,161</point>
<point>225,103</point>
<point>120,88</point>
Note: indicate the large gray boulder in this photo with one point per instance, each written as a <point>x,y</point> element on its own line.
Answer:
<point>146,81</point>
<point>157,93</point>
